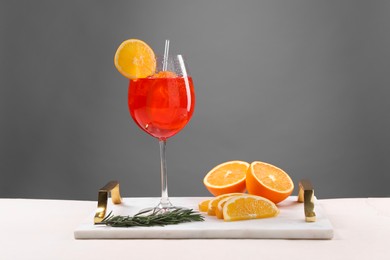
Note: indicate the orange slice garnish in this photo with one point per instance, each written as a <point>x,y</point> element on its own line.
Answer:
<point>135,59</point>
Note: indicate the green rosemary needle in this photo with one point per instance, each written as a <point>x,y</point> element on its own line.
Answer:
<point>171,217</point>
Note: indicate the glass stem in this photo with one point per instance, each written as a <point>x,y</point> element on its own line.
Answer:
<point>164,202</point>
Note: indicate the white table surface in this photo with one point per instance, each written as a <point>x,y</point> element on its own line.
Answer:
<point>43,229</point>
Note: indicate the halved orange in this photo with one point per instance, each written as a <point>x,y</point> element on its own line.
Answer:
<point>203,205</point>
<point>228,177</point>
<point>248,207</point>
<point>214,202</point>
<point>135,59</point>
<point>266,180</point>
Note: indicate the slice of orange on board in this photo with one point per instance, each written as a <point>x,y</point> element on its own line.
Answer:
<point>268,181</point>
<point>135,59</point>
<point>214,202</point>
<point>203,205</point>
<point>248,207</point>
<point>228,177</point>
<point>219,208</point>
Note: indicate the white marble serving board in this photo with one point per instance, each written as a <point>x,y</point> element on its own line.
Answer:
<point>289,224</point>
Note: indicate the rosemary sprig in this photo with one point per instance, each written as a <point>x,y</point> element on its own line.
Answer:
<point>157,218</point>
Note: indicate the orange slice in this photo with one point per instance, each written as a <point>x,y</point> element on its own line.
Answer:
<point>248,207</point>
<point>219,208</point>
<point>135,59</point>
<point>214,202</point>
<point>228,177</point>
<point>268,181</point>
<point>203,205</point>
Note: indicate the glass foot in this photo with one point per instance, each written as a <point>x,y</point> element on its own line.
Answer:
<point>159,209</point>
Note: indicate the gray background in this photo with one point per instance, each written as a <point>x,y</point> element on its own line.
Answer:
<point>303,85</point>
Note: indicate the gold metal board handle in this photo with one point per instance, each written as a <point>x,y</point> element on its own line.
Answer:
<point>113,188</point>
<point>306,195</point>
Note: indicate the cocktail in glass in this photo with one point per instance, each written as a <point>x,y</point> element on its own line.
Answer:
<point>162,105</point>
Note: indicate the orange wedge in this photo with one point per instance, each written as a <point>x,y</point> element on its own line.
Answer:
<point>135,59</point>
<point>268,181</point>
<point>214,202</point>
<point>248,207</point>
<point>203,205</point>
<point>219,208</point>
<point>228,177</point>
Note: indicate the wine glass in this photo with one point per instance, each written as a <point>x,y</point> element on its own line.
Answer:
<point>162,105</point>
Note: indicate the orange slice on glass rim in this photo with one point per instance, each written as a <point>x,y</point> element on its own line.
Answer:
<point>135,59</point>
